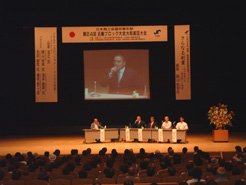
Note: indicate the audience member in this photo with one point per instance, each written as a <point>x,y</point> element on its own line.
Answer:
<point>220,172</point>
<point>109,172</point>
<point>83,174</point>
<point>196,174</point>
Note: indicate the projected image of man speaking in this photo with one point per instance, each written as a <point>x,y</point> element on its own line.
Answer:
<point>121,79</point>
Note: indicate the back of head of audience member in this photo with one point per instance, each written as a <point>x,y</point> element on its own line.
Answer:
<point>124,168</point>
<point>110,162</point>
<point>144,164</point>
<point>184,150</point>
<point>46,154</point>
<point>236,171</point>
<point>70,166</point>
<point>238,148</point>
<point>87,166</point>
<point>109,172</point>
<point>228,166</point>
<point>176,159</point>
<point>84,152</point>
<point>196,148</point>
<point>171,171</point>
<point>83,174</point>
<point>93,164</point>
<point>170,151</point>
<point>57,152</point>
<point>65,171</point>
<point>43,175</point>
<point>8,157</point>
<point>114,153</point>
<point>151,171</point>
<point>77,160</point>
<point>16,175</point>
<point>128,182</point>
<point>197,173</point>
<point>74,152</point>
<point>88,151</point>
<point>221,171</point>
<point>163,165</point>
<point>198,161</point>
<point>131,171</point>
<point>222,162</point>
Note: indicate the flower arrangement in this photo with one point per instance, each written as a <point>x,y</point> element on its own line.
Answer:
<point>220,116</point>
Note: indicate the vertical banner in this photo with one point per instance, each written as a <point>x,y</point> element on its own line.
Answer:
<point>128,134</point>
<point>102,135</point>
<point>182,62</point>
<point>174,135</point>
<point>160,135</point>
<point>46,64</point>
<point>140,134</point>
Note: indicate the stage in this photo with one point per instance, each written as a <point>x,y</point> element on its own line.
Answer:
<point>40,144</point>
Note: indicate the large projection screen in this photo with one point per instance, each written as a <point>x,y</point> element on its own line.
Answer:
<point>116,74</point>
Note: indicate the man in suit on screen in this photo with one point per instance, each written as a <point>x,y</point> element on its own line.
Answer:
<point>121,79</point>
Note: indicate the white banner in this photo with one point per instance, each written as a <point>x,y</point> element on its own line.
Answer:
<point>140,134</point>
<point>102,135</point>
<point>128,134</point>
<point>46,64</point>
<point>174,135</point>
<point>160,135</point>
<point>182,62</point>
<point>157,33</point>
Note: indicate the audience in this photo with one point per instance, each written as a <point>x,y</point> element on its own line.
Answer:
<point>114,166</point>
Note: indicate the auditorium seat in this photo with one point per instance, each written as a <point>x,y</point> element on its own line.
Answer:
<point>123,179</point>
<point>106,180</point>
<point>172,179</point>
<point>36,182</point>
<point>225,182</point>
<point>142,173</point>
<point>82,181</point>
<point>228,155</point>
<point>60,182</point>
<point>14,182</point>
<point>162,183</point>
<point>150,179</point>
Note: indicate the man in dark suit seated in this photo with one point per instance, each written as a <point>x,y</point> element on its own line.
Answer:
<point>121,79</point>
<point>138,124</point>
<point>152,124</point>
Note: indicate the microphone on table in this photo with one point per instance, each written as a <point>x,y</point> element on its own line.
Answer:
<point>173,124</point>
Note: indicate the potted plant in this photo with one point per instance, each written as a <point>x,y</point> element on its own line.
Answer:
<point>220,116</point>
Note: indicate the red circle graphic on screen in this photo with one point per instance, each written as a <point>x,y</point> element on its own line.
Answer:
<point>72,34</point>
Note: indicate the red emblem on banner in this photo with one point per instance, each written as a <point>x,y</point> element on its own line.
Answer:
<point>72,34</point>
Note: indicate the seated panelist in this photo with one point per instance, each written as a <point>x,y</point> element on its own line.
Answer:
<point>166,124</point>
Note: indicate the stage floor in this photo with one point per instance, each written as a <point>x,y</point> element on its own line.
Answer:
<point>40,144</point>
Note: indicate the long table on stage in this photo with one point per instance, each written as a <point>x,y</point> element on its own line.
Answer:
<point>110,133</point>
<point>151,133</point>
<point>147,133</point>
